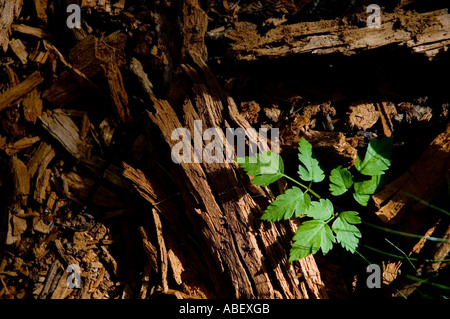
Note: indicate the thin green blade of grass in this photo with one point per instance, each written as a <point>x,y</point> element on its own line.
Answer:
<point>422,201</point>
<point>401,257</point>
<point>403,253</point>
<point>397,232</point>
<point>426,281</point>
<point>363,258</point>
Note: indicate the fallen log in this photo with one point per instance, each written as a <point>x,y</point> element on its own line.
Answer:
<point>426,33</point>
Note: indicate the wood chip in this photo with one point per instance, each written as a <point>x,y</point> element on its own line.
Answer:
<point>19,50</point>
<point>10,10</point>
<point>117,91</point>
<point>40,226</point>
<point>21,180</point>
<point>25,29</point>
<point>162,250</point>
<point>19,225</point>
<point>250,111</point>
<point>21,144</point>
<point>18,92</point>
<point>90,53</point>
<point>63,129</point>
<point>41,9</point>
<point>41,157</point>
<point>32,106</point>
<point>363,115</point>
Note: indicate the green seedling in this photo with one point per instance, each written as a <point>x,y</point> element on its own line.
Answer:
<point>324,225</point>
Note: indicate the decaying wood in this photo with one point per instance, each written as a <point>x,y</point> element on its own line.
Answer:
<point>312,276</point>
<point>19,92</point>
<point>41,157</point>
<point>32,106</point>
<point>150,249</point>
<point>20,145</point>
<point>43,173</point>
<point>334,145</point>
<point>90,53</point>
<point>62,128</point>
<point>162,250</point>
<point>211,112</point>
<point>117,91</point>
<point>362,115</point>
<point>385,118</point>
<point>237,205</point>
<point>9,11</point>
<point>64,91</point>
<point>216,235</point>
<point>41,9</point>
<point>26,29</point>
<point>422,181</point>
<point>111,7</point>
<point>21,180</point>
<point>188,268</point>
<point>19,49</point>
<point>425,33</point>
<point>195,24</point>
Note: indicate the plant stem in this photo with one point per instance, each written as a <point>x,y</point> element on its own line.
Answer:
<point>304,186</point>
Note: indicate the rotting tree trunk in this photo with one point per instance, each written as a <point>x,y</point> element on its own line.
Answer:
<point>247,258</point>
<point>426,33</point>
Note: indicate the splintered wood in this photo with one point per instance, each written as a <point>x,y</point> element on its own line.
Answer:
<point>425,33</point>
<point>422,181</point>
<point>63,129</point>
<point>87,117</point>
<point>19,92</point>
<point>10,10</point>
<point>112,7</point>
<point>237,205</point>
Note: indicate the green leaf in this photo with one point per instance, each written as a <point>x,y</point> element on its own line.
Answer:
<point>310,237</point>
<point>362,199</point>
<point>377,158</point>
<point>309,170</point>
<point>369,186</point>
<point>323,209</point>
<point>340,181</point>
<point>293,200</point>
<point>266,168</point>
<point>365,188</point>
<point>346,233</point>
<point>358,163</point>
